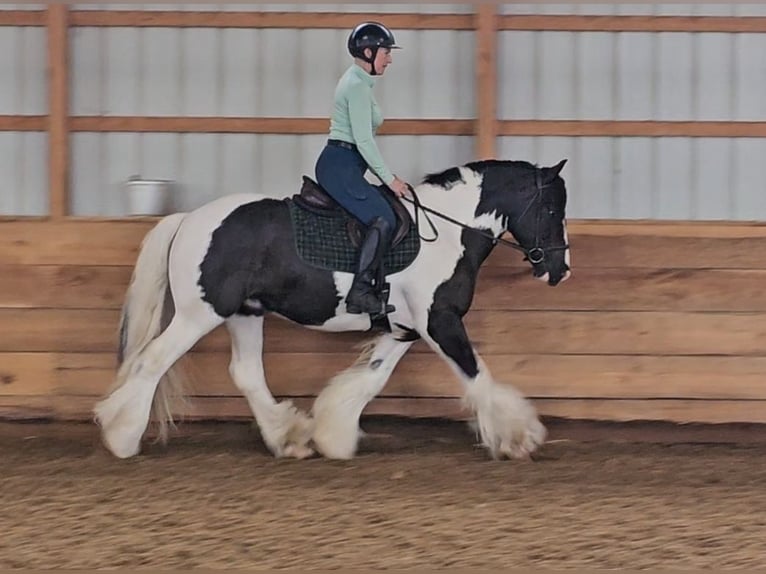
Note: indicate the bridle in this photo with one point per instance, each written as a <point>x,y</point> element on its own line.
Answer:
<point>534,254</point>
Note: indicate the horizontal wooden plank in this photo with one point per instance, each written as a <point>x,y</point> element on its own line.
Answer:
<point>293,20</point>
<point>22,18</point>
<point>492,332</point>
<point>653,245</point>
<point>24,407</point>
<point>595,227</point>
<point>393,126</point>
<point>22,123</point>
<point>335,20</point>
<point>29,374</point>
<point>71,242</point>
<point>305,126</point>
<point>426,375</point>
<point>604,23</point>
<point>618,332</point>
<point>499,288</point>
<point>670,229</point>
<point>288,374</point>
<point>63,286</point>
<point>265,125</point>
<point>624,289</point>
<point>640,248</point>
<point>628,128</point>
<point>679,411</point>
<point>80,408</point>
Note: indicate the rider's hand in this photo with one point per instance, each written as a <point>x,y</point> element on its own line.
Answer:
<point>399,187</point>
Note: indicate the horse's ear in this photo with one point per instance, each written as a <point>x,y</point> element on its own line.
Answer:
<point>550,173</point>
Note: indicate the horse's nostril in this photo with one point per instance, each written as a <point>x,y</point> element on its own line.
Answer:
<point>556,279</point>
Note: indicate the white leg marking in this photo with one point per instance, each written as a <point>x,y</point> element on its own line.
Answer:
<point>506,421</point>
<point>285,429</point>
<point>340,404</point>
<point>124,414</point>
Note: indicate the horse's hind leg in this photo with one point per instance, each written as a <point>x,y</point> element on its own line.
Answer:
<point>124,414</point>
<point>340,404</point>
<point>285,429</point>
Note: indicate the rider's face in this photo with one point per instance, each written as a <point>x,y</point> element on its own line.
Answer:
<point>382,60</point>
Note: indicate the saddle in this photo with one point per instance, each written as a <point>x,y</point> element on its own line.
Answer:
<point>313,197</point>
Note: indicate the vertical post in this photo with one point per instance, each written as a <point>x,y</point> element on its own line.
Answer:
<point>486,79</point>
<point>58,108</point>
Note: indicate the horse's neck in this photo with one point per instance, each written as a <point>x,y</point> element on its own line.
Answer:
<point>458,202</point>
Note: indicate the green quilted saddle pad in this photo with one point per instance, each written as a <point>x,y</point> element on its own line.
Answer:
<point>322,241</point>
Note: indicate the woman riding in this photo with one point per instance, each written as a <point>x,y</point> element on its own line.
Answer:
<point>351,150</point>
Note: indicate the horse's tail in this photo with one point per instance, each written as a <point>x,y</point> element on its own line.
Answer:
<point>146,311</point>
<point>141,319</point>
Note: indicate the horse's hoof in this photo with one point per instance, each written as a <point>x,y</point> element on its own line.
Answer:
<point>297,451</point>
<point>516,452</point>
<point>120,447</point>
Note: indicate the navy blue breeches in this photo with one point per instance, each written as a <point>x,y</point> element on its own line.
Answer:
<point>340,171</point>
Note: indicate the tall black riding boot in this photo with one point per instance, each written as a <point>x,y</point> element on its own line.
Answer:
<point>365,293</point>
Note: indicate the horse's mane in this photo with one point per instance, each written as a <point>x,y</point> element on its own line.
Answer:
<point>452,176</point>
<point>445,179</point>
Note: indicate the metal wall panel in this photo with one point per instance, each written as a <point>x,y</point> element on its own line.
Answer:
<point>631,76</point>
<point>23,173</point>
<point>641,76</point>
<point>235,72</point>
<point>654,178</point>
<point>210,165</point>
<point>23,187</point>
<point>268,72</point>
<point>542,75</point>
<point>749,70</point>
<point>22,70</point>
<point>445,8</point>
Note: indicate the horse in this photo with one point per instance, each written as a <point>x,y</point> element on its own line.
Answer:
<point>237,259</point>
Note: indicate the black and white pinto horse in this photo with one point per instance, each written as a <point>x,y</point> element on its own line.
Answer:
<point>234,261</point>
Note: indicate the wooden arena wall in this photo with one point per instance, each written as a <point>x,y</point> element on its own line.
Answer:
<point>661,320</point>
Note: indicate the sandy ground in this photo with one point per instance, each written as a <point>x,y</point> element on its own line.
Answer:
<point>420,494</point>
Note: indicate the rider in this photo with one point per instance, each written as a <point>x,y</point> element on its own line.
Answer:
<point>351,150</point>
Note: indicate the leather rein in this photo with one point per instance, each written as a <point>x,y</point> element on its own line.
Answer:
<point>534,254</point>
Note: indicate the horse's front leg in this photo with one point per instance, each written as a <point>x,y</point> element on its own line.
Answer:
<point>338,407</point>
<point>506,421</point>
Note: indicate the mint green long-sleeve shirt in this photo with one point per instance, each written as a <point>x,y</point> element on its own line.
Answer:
<point>356,118</point>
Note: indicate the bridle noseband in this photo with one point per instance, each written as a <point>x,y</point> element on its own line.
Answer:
<point>535,254</point>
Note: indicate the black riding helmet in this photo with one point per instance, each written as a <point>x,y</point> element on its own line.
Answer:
<point>371,35</point>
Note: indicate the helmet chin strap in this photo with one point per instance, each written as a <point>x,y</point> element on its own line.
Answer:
<point>371,61</point>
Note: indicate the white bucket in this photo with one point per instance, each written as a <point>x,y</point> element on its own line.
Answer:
<point>148,196</point>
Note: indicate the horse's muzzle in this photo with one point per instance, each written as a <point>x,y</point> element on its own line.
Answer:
<point>554,280</point>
